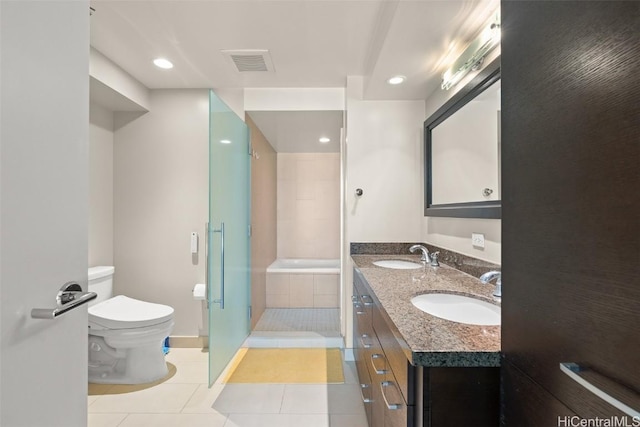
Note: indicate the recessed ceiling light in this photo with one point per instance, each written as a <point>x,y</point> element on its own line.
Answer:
<point>396,80</point>
<point>163,63</point>
<point>324,139</point>
<point>225,141</point>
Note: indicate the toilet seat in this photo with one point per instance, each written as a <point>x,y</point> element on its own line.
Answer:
<point>122,312</point>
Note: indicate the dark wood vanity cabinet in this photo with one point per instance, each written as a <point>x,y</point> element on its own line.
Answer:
<point>398,394</point>
<point>387,379</point>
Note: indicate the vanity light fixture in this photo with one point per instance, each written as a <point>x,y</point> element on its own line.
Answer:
<point>163,63</point>
<point>474,54</point>
<point>225,141</point>
<point>324,139</point>
<point>396,80</point>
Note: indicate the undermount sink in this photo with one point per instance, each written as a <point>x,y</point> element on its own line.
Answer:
<point>458,308</point>
<point>397,264</point>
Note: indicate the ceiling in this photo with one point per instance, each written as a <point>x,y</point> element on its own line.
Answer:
<point>312,43</point>
<point>299,131</point>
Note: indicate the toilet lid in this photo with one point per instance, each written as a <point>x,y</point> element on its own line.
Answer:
<point>122,312</point>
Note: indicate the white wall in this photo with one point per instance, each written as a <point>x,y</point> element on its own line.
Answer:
<point>308,205</point>
<point>161,172</point>
<point>100,186</point>
<point>116,85</point>
<point>44,71</point>
<point>455,234</point>
<point>384,159</point>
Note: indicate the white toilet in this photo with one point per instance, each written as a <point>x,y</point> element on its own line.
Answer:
<point>125,334</point>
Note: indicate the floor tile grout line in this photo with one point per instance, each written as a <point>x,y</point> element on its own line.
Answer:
<point>123,420</point>
<point>284,391</point>
<point>189,398</point>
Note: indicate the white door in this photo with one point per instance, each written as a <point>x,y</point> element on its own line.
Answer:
<point>44,73</point>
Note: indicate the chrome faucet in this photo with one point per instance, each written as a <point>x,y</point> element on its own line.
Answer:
<point>425,252</point>
<point>489,276</point>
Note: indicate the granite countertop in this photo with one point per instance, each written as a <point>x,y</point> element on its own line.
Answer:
<point>429,340</point>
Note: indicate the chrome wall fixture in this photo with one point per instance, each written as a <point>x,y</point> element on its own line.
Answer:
<point>474,54</point>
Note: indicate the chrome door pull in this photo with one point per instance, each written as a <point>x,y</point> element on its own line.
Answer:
<point>221,231</point>
<point>69,297</point>
<point>573,370</point>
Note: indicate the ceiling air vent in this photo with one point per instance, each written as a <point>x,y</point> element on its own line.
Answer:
<point>249,59</point>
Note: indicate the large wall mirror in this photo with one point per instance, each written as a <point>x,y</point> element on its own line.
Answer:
<point>462,152</point>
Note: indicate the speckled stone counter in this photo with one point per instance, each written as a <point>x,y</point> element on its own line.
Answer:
<point>429,340</point>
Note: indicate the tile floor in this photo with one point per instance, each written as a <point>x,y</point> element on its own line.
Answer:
<point>297,327</point>
<point>184,400</point>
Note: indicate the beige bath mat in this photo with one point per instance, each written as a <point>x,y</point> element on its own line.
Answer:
<point>287,366</point>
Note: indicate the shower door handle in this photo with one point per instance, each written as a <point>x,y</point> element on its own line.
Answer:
<point>221,231</point>
<point>207,239</point>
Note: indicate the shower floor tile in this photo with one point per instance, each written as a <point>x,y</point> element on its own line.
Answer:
<point>297,327</point>
<point>299,319</point>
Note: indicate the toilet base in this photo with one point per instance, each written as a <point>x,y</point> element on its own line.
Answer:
<point>135,365</point>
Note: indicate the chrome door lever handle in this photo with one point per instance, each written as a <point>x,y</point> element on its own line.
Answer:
<point>69,296</point>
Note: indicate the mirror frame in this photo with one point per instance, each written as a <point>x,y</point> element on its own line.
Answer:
<point>490,209</point>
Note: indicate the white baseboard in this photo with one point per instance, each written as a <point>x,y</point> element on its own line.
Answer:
<point>179,341</point>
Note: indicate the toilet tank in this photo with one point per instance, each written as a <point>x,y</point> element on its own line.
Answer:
<point>101,282</point>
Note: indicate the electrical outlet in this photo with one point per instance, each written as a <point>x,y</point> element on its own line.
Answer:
<point>477,240</point>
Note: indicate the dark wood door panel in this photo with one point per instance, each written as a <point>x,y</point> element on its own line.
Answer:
<point>526,404</point>
<point>463,396</point>
<point>571,205</point>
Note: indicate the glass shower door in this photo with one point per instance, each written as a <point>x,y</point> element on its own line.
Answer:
<point>228,235</point>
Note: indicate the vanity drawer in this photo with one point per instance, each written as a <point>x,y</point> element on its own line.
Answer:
<point>399,365</point>
<point>397,413</point>
<point>378,369</point>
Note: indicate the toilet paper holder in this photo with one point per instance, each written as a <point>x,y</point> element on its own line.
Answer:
<point>199,292</point>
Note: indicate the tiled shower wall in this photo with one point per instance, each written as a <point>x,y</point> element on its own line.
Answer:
<point>291,290</point>
<point>309,205</point>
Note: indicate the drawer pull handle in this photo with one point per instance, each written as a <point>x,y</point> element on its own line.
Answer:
<point>364,344</point>
<point>358,308</point>
<point>375,356</point>
<point>365,399</point>
<point>366,300</point>
<point>390,406</point>
<point>573,370</point>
